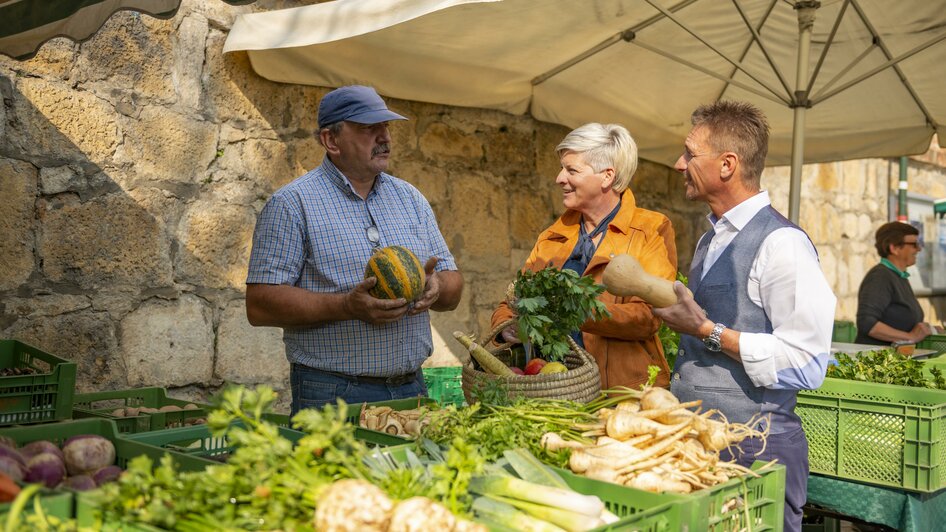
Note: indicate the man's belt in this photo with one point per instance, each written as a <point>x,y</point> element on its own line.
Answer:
<point>395,380</point>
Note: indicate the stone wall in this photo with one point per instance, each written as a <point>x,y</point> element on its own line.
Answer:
<point>133,167</point>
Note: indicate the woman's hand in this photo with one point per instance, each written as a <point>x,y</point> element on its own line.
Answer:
<point>920,331</point>
<point>511,334</point>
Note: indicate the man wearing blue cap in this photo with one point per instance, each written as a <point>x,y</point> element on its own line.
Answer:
<point>312,241</point>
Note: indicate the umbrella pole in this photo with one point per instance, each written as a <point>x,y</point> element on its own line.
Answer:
<point>806,20</point>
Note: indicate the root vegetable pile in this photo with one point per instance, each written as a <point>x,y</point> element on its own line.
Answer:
<point>655,443</point>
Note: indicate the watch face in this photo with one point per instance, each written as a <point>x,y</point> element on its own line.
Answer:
<point>712,344</point>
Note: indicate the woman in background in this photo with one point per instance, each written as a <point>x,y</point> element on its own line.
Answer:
<point>887,310</point>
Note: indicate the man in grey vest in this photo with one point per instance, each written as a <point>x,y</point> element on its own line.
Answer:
<point>757,327</point>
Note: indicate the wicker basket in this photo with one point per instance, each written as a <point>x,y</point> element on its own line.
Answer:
<point>582,381</point>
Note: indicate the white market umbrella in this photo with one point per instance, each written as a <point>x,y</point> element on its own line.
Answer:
<point>840,79</point>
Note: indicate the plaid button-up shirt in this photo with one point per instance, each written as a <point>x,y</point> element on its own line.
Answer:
<point>312,234</point>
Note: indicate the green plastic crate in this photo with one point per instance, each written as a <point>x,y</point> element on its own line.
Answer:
<point>445,385</point>
<point>125,449</point>
<point>844,332</point>
<point>88,517</point>
<point>39,398</point>
<point>53,503</point>
<point>638,511</point>
<point>354,413</point>
<point>727,506</point>
<point>197,442</point>
<point>936,342</point>
<point>59,503</point>
<point>102,404</point>
<point>876,433</point>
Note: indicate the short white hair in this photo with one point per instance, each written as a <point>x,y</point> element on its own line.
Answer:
<point>604,146</point>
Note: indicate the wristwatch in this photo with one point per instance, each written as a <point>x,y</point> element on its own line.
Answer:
<point>713,341</point>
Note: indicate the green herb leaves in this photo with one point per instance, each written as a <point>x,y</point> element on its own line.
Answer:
<point>551,304</point>
<point>886,367</point>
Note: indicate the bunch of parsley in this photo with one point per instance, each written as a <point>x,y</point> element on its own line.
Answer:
<point>553,303</point>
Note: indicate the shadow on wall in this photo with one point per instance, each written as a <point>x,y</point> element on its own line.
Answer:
<point>126,254</point>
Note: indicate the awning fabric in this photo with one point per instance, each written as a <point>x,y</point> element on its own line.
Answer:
<point>26,24</point>
<point>876,67</point>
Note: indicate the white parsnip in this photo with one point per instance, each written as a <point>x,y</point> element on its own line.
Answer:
<point>654,442</point>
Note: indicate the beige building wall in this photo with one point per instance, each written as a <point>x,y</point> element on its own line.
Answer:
<point>133,166</point>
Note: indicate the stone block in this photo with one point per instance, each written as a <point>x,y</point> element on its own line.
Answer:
<point>57,125</point>
<point>169,343</point>
<point>528,216</point>
<point>18,190</point>
<point>189,49</point>
<point>166,146</point>
<point>54,59</point>
<point>84,337</point>
<point>433,181</point>
<point>130,54</point>
<point>58,179</point>
<point>485,243</point>
<point>215,240</point>
<point>45,305</point>
<point>509,152</point>
<point>440,141</point>
<point>236,93</point>
<point>247,354</point>
<point>109,240</point>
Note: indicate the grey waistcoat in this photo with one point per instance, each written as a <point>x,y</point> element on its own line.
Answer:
<point>715,378</point>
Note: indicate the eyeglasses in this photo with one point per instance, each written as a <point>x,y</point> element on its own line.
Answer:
<point>372,232</point>
<point>917,244</point>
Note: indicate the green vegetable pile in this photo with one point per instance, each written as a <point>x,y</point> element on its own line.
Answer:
<point>885,366</point>
<point>521,422</point>
<point>269,483</point>
<point>551,304</point>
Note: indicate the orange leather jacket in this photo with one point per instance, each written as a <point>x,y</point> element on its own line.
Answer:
<point>626,343</point>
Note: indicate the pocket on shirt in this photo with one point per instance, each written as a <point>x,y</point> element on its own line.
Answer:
<point>414,238</point>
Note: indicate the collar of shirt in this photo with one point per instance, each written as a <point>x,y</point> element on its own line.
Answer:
<point>728,226</point>
<point>896,270</point>
<point>337,178</point>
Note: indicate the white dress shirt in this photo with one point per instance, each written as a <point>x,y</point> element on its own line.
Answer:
<point>786,281</point>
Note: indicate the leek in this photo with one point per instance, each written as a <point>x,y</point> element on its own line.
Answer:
<point>495,485</point>
<point>529,468</point>
<point>508,516</point>
<point>566,519</point>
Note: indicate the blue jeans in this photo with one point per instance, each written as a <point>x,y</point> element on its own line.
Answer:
<point>791,449</point>
<point>312,388</point>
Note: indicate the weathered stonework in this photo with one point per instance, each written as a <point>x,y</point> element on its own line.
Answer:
<point>18,188</point>
<point>247,354</point>
<point>133,167</point>
<point>109,240</point>
<point>215,241</point>
<point>169,343</point>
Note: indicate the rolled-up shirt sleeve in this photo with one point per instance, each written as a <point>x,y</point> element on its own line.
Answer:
<point>786,280</point>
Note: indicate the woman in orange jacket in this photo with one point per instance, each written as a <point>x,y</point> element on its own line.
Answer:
<point>602,219</point>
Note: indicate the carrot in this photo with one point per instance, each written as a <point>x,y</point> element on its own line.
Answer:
<point>8,489</point>
<point>486,359</point>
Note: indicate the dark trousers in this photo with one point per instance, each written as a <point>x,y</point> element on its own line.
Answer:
<point>791,449</point>
<point>312,388</point>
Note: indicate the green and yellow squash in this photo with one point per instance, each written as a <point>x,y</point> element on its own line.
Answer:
<point>399,273</point>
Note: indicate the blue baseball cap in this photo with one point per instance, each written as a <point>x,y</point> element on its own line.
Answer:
<point>354,103</point>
